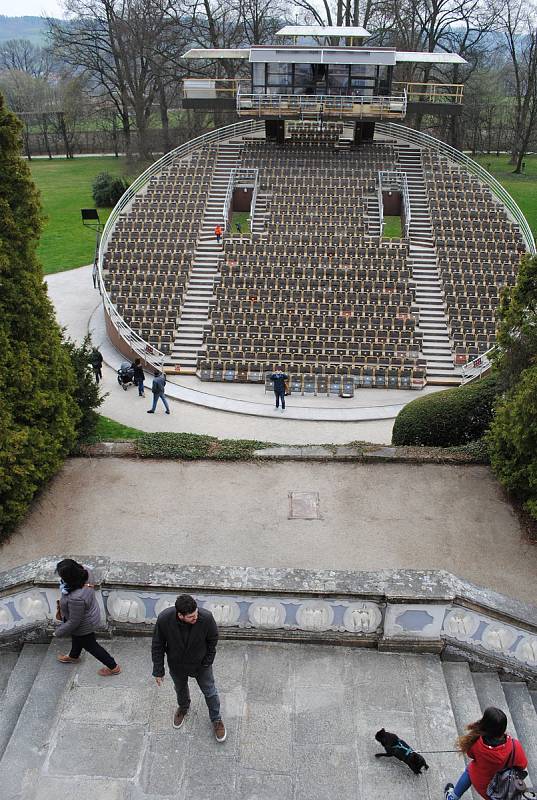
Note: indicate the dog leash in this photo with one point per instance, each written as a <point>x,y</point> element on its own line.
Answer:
<point>430,752</point>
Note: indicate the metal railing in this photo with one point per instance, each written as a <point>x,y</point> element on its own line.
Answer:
<point>396,131</point>
<point>432,92</point>
<point>146,351</point>
<point>390,180</point>
<point>340,105</point>
<point>477,367</point>
<point>237,176</point>
<point>211,87</point>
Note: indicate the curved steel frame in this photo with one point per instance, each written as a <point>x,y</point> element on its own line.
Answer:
<point>476,367</point>
<point>142,348</point>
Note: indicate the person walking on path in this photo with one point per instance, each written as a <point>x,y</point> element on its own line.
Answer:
<point>96,361</point>
<point>138,376</point>
<point>278,379</point>
<point>188,635</point>
<point>490,750</point>
<point>218,233</point>
<point>79,614</point>
<point>159,384</point>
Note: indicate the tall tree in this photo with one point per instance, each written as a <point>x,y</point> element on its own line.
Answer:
<point>520,30</point>
<point>38,413</point>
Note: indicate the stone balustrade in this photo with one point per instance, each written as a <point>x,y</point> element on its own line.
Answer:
<point>431,611</point>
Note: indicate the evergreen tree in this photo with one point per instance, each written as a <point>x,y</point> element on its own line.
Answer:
<point>38,412</point>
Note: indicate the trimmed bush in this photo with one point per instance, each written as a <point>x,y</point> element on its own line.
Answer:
<point>512,441</point>
<point>107,189</point>
<point>38,412</point>
<point>449,418</point>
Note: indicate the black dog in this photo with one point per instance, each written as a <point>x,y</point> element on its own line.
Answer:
<point>399,749</point>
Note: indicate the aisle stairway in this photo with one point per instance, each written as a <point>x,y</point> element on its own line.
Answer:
<point>301,720</point>
<point>437,350</point>
<point>194,313</point>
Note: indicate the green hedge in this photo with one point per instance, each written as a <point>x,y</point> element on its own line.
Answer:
<point>192,446</point>
<point>512,441</point>
<point>448,418</point>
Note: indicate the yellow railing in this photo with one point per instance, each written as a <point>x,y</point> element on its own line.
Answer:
<point>432,92</point>
<point>210,87</point>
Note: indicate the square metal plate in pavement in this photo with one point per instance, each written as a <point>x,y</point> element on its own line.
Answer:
<point>304,505</point>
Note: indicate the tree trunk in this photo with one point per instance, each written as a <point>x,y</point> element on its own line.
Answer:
<point>164,119</point>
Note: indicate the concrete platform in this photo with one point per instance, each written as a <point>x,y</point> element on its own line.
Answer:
<point>224,409</point>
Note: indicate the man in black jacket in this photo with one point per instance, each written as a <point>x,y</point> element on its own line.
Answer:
<point>188,635</point>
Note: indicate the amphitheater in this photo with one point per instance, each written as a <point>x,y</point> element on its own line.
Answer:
<point>312,661</point>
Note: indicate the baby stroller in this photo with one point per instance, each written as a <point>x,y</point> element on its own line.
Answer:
<point>125,375</point>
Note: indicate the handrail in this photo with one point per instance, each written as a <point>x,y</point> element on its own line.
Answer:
<point>433,92</point>
<point>236,176</point>
<point>325,103</point>
<point>425,140</point>
<point>475,368</point>
<point>142,348</point>
<point>398,179</point>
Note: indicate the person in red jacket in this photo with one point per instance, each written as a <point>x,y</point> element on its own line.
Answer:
<point>489,749</point>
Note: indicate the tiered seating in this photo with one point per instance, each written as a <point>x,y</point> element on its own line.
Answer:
<point>314,133</point>
<point>478,251</point>
<point>315,293</point>
<point>149,255</point>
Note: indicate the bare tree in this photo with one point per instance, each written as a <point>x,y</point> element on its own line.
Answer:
<point>23,56</point>
<point>520,31</point>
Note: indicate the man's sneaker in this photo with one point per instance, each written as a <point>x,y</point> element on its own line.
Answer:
<point>68,659</point>
<point>449,794</point>
<point>179,717</point>
<point>219,731</point>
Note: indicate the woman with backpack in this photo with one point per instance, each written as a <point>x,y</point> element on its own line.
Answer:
<point>490,750</point>
<point>79,614</point>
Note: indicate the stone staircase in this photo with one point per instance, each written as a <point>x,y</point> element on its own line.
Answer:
<point>195,310</point>
<point>437,350</point>
<point>301,720</point>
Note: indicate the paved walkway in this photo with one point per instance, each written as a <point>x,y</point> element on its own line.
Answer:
<point>371,517</point>
<point>200,407</point>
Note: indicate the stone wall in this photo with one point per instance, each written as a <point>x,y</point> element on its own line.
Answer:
<point>429,611</point>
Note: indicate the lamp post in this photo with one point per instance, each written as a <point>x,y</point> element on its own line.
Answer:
<point>90,219</point>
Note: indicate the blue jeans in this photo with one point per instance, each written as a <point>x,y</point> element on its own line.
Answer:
<point>205,678</point>
<point>463,784</point>
<point>280,395</point>
<point>155,398</point>
<point>140,385</point>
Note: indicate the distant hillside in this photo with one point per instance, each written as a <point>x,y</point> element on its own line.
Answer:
<point>32,28</point>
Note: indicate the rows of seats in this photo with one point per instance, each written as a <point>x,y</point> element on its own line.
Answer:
<point>478,250</point>
<point>149,254</point>
<point>314,291</point>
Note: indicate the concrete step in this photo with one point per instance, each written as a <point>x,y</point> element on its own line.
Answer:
<point>463,697</point>
<point>490,692</point>
<point>525,718</point>
<point>18,675</point>
<point>29,743</point>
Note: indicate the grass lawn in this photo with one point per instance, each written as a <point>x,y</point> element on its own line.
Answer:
<point>110,431</point>
<point>65,186</point>
<point>392,228</point>
<point>243,219</point>
<point>523,188</point>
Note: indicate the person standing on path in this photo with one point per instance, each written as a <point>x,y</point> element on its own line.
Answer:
<point>138,376</point>
<point>96,361</point>
<point>79,614</point>
<point>278,379</point>
<point>489,749</point>
<point>159,384</point>
<point>188,635</point>
<point>218,233</point>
